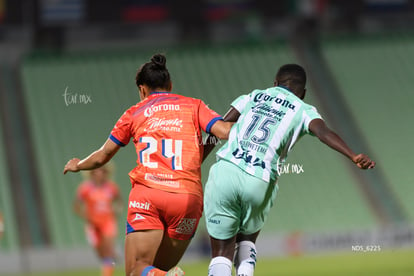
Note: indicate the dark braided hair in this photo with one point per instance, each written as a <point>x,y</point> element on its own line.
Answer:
<point>154,73</point>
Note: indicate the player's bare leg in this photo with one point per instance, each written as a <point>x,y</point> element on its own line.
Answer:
<point>170,252</point>
<point>222,255</point>
<point>108,256</point>
<point>140,250</point>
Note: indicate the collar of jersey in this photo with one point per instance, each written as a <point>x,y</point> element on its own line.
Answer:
<point>158,93</point>
<point>284,87</point>
<point>288,90</point>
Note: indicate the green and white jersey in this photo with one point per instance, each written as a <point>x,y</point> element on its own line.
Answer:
<point>271,122</point>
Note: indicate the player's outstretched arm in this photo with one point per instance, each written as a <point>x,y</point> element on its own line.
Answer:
<point>94,160</point>
<point>330,138</point>
<point>79,208</point>
<point>224,127</point>
<point>117,204</point>
<point>221,129</point>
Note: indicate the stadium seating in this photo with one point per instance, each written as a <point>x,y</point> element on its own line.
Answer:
<point>74,100</point>
<point>9,241</point>
<point>57,91</point>
<point>375,75</point>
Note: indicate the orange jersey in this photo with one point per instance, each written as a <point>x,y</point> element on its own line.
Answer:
<point>98,200</point>
<point>166,130</point>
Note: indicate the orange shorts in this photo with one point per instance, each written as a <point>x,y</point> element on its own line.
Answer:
<point>177,214</point>
<point>96,232</point>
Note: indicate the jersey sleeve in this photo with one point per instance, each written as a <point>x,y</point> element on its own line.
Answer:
<point>82,192</point>
<point>121,133</point>
<point>310,113</point>
<point>115,189</point>
<point>207,117</point>
<point>240,102</point>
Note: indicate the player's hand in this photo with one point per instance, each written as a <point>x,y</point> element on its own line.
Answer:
<point>363,161</point>
<point>71,166</point>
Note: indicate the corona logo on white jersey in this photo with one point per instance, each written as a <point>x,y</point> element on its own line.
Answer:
<point>265,97</point>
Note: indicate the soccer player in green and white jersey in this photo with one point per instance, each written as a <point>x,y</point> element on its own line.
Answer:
<point>242,184</point>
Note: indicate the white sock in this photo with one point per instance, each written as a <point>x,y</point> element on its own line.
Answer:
<point>220,266</point>
<point>245,258</point>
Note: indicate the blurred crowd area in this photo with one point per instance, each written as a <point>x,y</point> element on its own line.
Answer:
<point>70,24</point>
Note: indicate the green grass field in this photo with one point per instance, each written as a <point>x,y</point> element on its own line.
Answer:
<point>384,263</point>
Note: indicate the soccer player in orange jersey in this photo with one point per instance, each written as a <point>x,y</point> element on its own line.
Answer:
<point>166,199</point>
<point>98,201</point>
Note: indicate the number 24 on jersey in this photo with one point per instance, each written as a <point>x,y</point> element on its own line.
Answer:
<point>166,152</point>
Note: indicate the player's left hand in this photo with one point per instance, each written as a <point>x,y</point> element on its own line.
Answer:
<point>71,166</point>
<point>363,161</point>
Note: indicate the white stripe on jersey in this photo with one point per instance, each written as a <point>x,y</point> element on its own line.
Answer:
<point>280,133</point>
<point>297,132</point>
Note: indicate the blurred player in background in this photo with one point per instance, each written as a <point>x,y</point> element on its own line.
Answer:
<point>166,199</point>
<point>242,184</point>
<point>98,202</point>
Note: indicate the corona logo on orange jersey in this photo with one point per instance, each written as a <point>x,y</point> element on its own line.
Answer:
<point>149,111</point>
